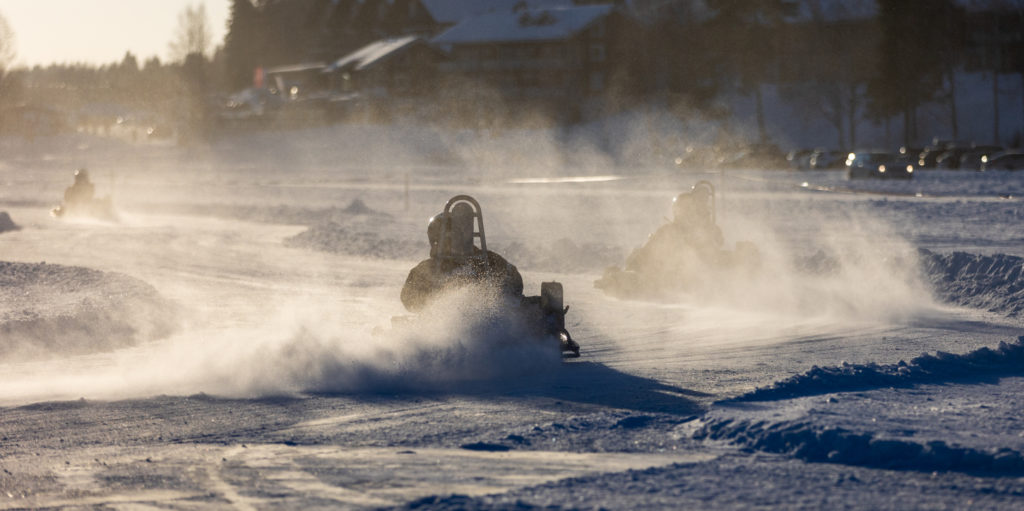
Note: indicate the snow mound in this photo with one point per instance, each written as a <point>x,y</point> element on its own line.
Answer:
<point>811,442</point>
<point>1006,359</point>
<point>6,224</point>
<point>48,310</point>
<point>357,230</point>
<point>994,282</point>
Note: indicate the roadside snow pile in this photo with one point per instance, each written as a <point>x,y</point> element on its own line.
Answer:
<point>358,230</point>
<point>813,442</point>
<point>49,310</point>
<point>938,413</point>
<point>994,283</point>
<point>1007,359</point>
<point>6,224</point>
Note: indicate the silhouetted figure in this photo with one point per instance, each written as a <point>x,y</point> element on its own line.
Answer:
<point>81,192</point>
<point>682,255</point>
<point>80,200</point>
<point>455,261</point>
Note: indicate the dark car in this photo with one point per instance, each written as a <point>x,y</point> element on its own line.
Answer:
<point>877,165</point>
<point>1009,160</point>
<point>928,156</point>
<point>800,159</point>
<point>971,160</point>
<point>823,159</point>
<point>950,158</point>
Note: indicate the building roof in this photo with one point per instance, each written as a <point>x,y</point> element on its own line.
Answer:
<point>524,25</point>
<point>295,68</point>
<point>450,12</point>
<point>372,53</point>
<point>831,11</point>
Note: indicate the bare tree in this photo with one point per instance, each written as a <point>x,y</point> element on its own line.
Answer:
<point>193,35</point>
<point>7,54</point>
<point>6,45</point>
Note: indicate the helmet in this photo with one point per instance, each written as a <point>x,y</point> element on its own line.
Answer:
<point>434,228</point>
<point>683,206</point>
<point>81,175</point>
<point>462,216</point>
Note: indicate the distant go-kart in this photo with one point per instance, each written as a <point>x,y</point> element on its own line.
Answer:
<point>686,256</point>
<point>80,201</point>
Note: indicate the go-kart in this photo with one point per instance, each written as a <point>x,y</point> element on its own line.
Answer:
<point>683,257</point>
<point>454,235</point>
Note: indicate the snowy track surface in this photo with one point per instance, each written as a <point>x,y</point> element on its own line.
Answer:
<point>251,286</point>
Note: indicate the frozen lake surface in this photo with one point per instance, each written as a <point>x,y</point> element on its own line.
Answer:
<point>216,346</point>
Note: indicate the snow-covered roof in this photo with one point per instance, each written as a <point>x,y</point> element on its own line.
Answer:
<point>991,5</point>
<point>296,68</point>
<point>833,10</point>
<point>450,12</point>
<point>525,25</point>
<point>372,53</point>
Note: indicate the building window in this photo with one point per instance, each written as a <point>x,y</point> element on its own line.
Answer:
<point>596,53</point>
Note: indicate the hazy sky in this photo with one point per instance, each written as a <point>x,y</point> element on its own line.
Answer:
<point>100,31</point>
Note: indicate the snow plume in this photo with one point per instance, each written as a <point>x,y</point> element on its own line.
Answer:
<point>849,266</point>
<point>468,337</point>
<point>464,339</point>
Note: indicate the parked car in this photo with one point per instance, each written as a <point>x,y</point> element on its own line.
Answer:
<point>877,165</point>
<point>800,159</point>
<point>926,159</point>
<point>971,160</point>
<point>950,158</point>
<point>1007,160</point>
<point>823,159</point>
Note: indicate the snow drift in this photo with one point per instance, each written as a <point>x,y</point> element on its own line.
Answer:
<point>845,429</point>
<point>1006,359</point>
<point>994,283</point>
<point>51,310</point>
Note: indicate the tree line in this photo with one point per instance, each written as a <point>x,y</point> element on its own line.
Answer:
<point>842,68</point>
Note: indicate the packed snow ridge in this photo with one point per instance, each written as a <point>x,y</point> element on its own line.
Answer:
<point>796,428</point>
<point>1006,359</point>
<point>51,310</point>
<point>994,283</point>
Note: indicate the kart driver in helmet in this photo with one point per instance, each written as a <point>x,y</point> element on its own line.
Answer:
<point>81,192</point>
<point>455,261</point>
<point>691,237</point>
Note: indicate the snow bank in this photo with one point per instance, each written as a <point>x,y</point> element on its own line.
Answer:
<point>6,224</point>
<point>49,310</point>
<point>811,442</point>
<point>881,426</point>
<point>358,230</point>
<point>1006,359</point>
<point>994,283</point>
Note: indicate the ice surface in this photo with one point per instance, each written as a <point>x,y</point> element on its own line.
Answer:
<point>274,390</point>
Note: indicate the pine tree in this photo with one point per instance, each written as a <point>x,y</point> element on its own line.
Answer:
<point>242,44</point>
<point>912,53</point>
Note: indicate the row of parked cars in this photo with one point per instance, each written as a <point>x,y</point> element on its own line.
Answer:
<point>901,164</point>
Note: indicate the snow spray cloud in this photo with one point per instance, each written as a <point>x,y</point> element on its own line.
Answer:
<point>833,259</point>
<point>464,339</point>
